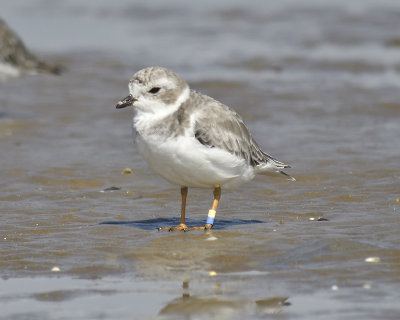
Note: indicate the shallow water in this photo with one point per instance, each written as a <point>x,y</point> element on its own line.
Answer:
<point>317,85</point>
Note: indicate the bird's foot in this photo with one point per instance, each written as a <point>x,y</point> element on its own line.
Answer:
<point>185,228</point>
<point>179,227</point>
<point>207,226</point>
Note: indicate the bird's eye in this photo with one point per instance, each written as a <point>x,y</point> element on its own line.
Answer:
<point>154,90</point>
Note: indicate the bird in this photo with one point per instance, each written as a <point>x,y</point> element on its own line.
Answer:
<point>191,139</point>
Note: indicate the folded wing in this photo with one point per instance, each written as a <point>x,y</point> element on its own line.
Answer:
<point>217,126</point>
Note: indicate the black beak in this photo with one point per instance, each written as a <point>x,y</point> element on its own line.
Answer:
<point>128,101</point>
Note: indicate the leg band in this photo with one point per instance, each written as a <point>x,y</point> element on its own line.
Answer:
<point>211,216</point>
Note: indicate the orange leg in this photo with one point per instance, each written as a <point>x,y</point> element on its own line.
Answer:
<point>182,224</point>
<point>211,213</point>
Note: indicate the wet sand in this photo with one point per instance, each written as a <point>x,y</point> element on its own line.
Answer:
<point>319,88</point>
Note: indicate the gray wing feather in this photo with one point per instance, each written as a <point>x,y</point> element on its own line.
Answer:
<point>217,126</point>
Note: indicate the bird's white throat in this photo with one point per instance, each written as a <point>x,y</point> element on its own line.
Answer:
<point>151,112</point>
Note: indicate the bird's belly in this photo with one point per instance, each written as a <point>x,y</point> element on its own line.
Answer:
<point>186,162</point>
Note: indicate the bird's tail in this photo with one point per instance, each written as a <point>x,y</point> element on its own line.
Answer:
<point>289,177</point>
<point>273,166</point>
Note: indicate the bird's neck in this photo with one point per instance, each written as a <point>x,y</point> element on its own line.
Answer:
<point>149,116</point>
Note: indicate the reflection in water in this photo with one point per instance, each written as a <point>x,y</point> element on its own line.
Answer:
<point>216,305</point>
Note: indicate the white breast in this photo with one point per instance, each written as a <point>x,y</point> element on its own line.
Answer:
<point>184,161</point>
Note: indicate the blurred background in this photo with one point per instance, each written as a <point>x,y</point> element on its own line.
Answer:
<point>317,83</point>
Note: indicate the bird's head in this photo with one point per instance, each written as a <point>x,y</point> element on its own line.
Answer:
<point>153,89</point>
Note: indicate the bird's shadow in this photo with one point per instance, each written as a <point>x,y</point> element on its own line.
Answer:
<point>152,224</point>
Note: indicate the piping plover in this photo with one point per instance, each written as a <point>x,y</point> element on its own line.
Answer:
<point>192,140</point>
